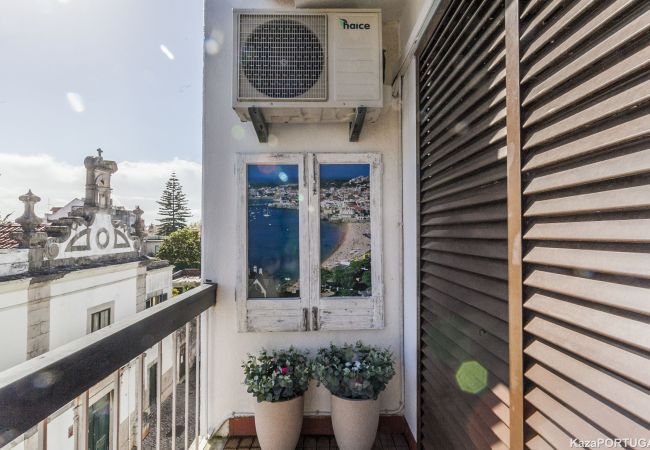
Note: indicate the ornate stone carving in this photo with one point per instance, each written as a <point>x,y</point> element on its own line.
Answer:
<point>139,224</point>
<point>29,222</point>
<point>51,248</point>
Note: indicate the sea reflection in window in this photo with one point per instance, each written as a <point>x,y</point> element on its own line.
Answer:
<point>345,230</point>
<point>273,231</point>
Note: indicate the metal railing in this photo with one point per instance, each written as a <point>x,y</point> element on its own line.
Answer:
<point>132,385</point>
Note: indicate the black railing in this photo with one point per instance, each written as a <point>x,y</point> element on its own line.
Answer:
<point>35,389</point>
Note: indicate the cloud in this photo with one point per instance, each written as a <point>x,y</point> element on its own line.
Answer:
<point>56,182</point>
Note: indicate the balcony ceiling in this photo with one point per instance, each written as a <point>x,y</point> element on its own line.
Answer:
<point>390,8</point>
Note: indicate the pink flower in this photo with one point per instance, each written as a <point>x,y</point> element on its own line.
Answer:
<point>285,371</point>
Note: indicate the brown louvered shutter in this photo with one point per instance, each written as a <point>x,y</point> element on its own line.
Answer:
<point>463,230</point>
<point>585,86</point>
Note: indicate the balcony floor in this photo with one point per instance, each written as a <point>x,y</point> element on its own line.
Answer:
<point>384,441</point>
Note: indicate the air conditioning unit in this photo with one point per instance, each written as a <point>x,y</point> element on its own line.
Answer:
<point>305,66</point>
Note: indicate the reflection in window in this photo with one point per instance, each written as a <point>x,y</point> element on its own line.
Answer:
<point>345,230</point>
<point>273,231</point>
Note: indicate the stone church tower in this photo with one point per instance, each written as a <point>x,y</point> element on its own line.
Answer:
<point>98,183</point>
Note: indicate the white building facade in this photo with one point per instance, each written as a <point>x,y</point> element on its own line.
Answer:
<point>83,271</point>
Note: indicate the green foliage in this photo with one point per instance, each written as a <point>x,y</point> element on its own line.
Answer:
<point>182,248</point>
<point>354,371</point>
<point>173,207</point>
<point>349,280</point>
<point>274,376</point>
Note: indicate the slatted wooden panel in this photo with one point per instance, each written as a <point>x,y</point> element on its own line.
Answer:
<point>585,91</point>
<point>463,232</point>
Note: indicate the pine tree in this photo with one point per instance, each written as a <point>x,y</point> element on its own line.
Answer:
<point>173,207</point>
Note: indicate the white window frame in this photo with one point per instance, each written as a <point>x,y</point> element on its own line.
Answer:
<point>281,314</point>
<point>348,313</point>
<point>310,311</point>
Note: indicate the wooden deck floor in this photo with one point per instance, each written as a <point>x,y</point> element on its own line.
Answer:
<point>384,441</point>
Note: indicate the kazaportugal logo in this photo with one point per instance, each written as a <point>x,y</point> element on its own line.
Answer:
<point>353,26</point>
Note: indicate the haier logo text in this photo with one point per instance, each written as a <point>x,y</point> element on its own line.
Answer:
<point>353,26</point>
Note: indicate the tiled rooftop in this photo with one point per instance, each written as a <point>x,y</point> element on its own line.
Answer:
<point>7,240</point>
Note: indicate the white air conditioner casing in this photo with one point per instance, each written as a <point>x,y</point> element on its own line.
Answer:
<point>307,65</point>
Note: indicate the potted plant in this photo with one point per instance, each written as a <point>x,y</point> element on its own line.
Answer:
<point>354,375</point>
<point>278,379</point>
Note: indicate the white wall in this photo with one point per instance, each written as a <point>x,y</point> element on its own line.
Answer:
<point>13,322</point>
<point>226,347</point>
<point>76,292</point>
<point>410,196</point>
<point>57,431</point>
<point>158,280</point>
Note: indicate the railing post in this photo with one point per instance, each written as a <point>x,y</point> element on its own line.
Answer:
<point>83,422</point>
<point>174,382</point>
<point>197,397</point>
<point>187,386</point>
<point>139,391</point>
<point>41,430</point>
<point>159,373</point>
<point>115,412</point>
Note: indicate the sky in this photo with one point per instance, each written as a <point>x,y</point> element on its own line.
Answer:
<point>123,75</point>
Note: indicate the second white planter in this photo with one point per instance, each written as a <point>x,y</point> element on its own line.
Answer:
<point>355,423</point>
<point>278,424</point>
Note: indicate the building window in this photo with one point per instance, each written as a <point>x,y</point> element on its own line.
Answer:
<point>99,424</point>
<point>154,300</point>
<point>310,239</point>
<point>100,319</point>
<point>100,316</point>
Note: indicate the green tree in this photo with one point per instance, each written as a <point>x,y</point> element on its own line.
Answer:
<point>173,207</point>
<point>182,248</point>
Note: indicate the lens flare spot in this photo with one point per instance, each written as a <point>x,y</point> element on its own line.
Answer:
<point>472,377</point>
<point>460,127</point>
<point>212,47</point>
<point>167,52</point>
<point>238,132</point>
<point>76,102</point>
<point>283,177</point>
<point>213,43</point>
<point>45,379</point>
<point>267,169</point>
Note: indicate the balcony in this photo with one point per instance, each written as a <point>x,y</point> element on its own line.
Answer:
<point>74,396</point>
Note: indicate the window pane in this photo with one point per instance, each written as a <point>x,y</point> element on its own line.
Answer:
<point>345,230</point>
<point>273,231</point>
<point>99,417</point>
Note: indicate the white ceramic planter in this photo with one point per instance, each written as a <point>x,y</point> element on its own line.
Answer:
<point>355,423</point>
<point>278,424</point>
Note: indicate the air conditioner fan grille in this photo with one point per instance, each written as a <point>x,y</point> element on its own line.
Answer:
<point>283,57</point>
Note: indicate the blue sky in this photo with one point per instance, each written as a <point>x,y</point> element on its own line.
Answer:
<point>277,173</point>
<point>82,74</point>
<point>138,104</point>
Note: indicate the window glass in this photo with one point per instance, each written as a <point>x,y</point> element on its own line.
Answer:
<point>100,319</point>
<point>273,231</point>
<point>99,424</point>
<point>345,230</point>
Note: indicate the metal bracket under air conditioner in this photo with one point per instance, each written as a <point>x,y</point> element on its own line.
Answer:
<point>357,124</point>
<point>259,123</point>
